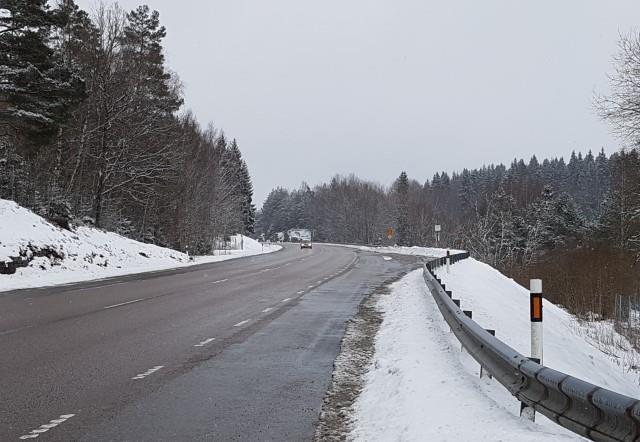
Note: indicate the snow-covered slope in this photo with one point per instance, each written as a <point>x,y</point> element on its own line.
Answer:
<point>421,386</point>
<point>84,254</point>
<point>500,303</point>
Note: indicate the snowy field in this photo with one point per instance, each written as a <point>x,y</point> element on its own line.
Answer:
<point>421,386</point>
<point>87,253</point>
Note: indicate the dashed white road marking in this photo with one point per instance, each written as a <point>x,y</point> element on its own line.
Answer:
<point>205,342</point>
<point>387,258</point>
<point>46,427</point>
<point>220,281</point>
<point>123,303</point>
<point>265,270</point>
<point>267,310</point>
<point>241,323</point>
<point>148,372</point>
<point>300,292</point>
<point>311,286</point>
<point>286,300</point>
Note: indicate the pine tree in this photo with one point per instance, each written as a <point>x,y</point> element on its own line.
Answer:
<point>37,90</point>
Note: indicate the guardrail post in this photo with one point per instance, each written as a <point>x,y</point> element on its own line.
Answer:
<point>492,333</point>
<point>448,260</point>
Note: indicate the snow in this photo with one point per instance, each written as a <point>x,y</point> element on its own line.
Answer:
<point>401,250</point>
<point>88,253</point>
<point>422,387</point>
<point>498,302</point>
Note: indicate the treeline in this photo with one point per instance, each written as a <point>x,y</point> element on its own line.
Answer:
<point>503,215</point>
<point>90,130</point>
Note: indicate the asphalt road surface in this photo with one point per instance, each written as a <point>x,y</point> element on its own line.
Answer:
<point>237,350</point>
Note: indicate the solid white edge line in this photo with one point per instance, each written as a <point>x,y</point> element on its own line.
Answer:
<point>241,323</point>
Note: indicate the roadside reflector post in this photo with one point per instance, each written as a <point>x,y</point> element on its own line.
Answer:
<point>535,310</point>
<point>535,302</point>
<point>448,260</point>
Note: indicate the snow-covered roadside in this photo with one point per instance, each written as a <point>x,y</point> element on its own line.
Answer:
<point>421,387</point>
<point>85,254</point>
<point>498,302</point>
<point>401,250</point>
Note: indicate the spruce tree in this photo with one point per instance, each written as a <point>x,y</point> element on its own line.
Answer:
<point>402,215</point>
<point>37,90</point>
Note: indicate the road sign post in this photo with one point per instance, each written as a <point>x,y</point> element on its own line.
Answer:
<point>437,228</point>
<point>448,260</point>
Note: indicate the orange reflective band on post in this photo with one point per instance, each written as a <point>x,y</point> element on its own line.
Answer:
<point>536,307</point>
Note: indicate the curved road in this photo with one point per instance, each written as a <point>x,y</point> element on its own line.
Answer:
<point>237,350</point>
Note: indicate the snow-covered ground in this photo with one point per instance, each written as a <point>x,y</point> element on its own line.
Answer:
<point>87,253</point>
<point>500,303</point>
<point>422,387</point>
<point>415,250</point>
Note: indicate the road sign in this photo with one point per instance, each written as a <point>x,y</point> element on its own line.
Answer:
<point>390,232</point>
<point>437,228</point>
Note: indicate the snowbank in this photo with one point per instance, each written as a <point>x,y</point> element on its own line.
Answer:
<point>57,256</point>
<point>415,250</point>
<point>500,303</point>
<point>421,387</point>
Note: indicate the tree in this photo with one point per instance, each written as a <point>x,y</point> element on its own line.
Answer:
<point>37,91</point>
<point>402,217</point>
<point>621,108</point>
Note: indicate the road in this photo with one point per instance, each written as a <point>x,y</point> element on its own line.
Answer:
<point>236,350</point>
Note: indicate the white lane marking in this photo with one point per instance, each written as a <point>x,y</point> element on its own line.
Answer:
<point>46,427</point>
<point>220,280</point>
<point>265,270</point>
<point>300,292</point>
<point>148,372</point>
<point>319,282</point>
<point>287,264</point>
<point>387,258</point>
<point>311,286</point>
<point>123,303</point>
<point>267,310</point>
<point>205,342</point>
<point>286,300</point>
<point>241,323</point>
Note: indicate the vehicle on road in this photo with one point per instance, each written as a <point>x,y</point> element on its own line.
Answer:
<point>305,244</point>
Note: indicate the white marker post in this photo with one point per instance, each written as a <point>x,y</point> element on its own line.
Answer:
<point>448,260</point>
<point>535,308</point>
<point>535,301</point>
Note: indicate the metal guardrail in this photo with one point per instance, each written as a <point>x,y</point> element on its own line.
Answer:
<point>586,409</point>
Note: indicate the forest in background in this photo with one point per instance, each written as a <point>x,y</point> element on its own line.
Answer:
<point>574,223</point>
<point>90,129</point>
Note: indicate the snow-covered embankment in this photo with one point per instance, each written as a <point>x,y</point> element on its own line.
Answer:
<point>42,254</point>
<point>420,385</point>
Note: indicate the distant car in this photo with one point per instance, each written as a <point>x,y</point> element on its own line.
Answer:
<point>305,244</point>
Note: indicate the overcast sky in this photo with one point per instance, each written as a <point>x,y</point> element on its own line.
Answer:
<point>374,87</point>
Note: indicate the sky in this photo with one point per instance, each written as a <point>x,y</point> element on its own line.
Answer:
<point>311,89</point>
